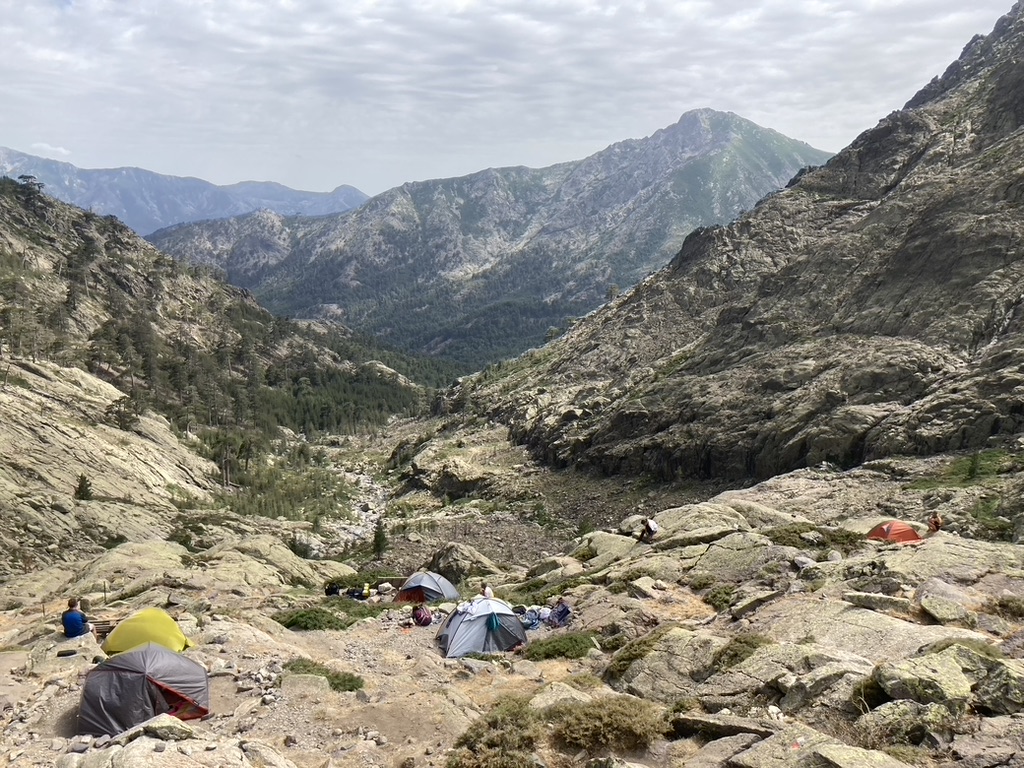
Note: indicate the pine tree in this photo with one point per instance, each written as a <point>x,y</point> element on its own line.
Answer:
<point>83,491</point>
<point>380,538</point>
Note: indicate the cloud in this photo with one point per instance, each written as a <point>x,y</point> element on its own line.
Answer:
<point>46,150</point>
<point>377,92</point>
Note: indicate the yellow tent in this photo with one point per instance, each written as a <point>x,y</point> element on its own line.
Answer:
<point>146,626</point>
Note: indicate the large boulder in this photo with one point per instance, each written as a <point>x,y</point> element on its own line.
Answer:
<point>697,524</point>
<point>796,675</point>
<point>600,549</point>
<point>952,559</point>
<point>737,557</point>
<point>842,627</point>
<point>957,677</point>
<point>457,561</point>
<point>664,665</point>
<point>670,566</point>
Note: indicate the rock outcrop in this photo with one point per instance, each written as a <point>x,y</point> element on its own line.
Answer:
<point>869,310</point>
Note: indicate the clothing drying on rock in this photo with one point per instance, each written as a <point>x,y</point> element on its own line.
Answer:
<point>530,619</point>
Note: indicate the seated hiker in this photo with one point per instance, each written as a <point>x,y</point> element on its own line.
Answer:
<point>74,620</point>
<point>935,522</point>
<point>486,591</point>
<point>560,614</point>
<point>422,616</point>
<point>649,530</point>
<point>332,588</point>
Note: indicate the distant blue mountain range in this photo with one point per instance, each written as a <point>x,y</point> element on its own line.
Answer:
<point>148,201</point>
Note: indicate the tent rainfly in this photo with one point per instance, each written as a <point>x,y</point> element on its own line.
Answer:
<point>150,625</point>
<point>485,625</point>
<point>426,587</point>
<point>133,686</point>
<point>894,530</point>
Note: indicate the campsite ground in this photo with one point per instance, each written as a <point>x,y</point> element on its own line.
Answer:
<point>414,703</point>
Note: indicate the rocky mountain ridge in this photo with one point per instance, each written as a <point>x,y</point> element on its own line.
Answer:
<point>870,309</point>
<point>147,201</point>
<point>481,267</point>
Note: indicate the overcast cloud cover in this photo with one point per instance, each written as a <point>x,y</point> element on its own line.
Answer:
<point>373,93</point>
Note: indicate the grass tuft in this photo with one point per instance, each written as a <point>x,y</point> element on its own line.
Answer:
<point>339,681</point>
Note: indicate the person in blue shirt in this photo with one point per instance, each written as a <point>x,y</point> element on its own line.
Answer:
<point>74,621</point>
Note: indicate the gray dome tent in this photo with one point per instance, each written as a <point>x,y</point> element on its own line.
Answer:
<point>485,625</point>
<point>426,587</point>
<point>131,687</point>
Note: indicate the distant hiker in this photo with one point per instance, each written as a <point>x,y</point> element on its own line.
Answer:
<point>486,590</point>
<point>422,616</point>
<point>935,522</point>
<point>74,621</point>
<point>649,530</point>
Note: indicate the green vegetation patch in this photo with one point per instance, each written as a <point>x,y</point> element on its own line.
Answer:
<point>617,723</point>
<point>634,651</point>
<point>305,619</point>
<point>831,538</point>
<point>506,737</point>
<point>972,470</point>
<point>572,645</point>
<point>339,681</point>
<point>737,650</point>
<point>538,591</point>
<point>720,597</point>
<point>991,525</point>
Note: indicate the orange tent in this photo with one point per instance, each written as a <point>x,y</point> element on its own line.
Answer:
<point>894,530</point>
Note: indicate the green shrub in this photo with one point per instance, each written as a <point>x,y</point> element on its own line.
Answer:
<point>358,609</point>
<point>310,618</point>
<point>506,737</point>
<point>634,651</point>
<point>618,723</point>
<point>484,656</point>
<point>612,643</point>
<point>339,681</point>
<point>584,681</point>
<point>572,645</point>
<point>380,538</point>
<point>831,538</point>
<point>720,597</point>
<point>701,581</point>
<point>738,649</point>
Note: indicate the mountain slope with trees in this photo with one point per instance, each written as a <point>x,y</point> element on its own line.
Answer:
<point>84,290</point>
<point>478,268</point>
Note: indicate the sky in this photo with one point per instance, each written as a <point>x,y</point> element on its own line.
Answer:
<point>373,93</point>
